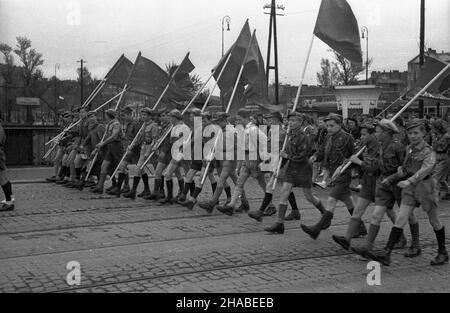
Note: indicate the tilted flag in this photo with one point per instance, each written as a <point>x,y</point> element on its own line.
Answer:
<point>255,74</point>
<point>337,26</point>
<point>181,87</point>
<point>237,51</point>
<point>150,79</point>
<point>118,74</point>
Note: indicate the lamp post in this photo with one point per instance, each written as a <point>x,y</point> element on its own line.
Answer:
<point>365,34</point>
<point>227,19</point>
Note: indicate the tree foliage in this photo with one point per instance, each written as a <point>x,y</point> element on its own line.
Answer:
<point>338,72</point>
<point>8,59</point>
<point>31,60</point>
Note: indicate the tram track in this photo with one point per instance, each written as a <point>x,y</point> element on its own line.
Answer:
<point>204,271</point>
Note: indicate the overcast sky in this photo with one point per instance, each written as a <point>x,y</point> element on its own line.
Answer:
<point>99,31</point>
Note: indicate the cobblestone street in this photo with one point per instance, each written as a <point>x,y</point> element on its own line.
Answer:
<point>139,246</point>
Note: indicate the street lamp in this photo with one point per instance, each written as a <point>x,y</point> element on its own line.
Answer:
<point>227,19</point>
<point>365,34</point>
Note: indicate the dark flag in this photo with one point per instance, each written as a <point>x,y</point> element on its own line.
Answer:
<point>237,51</point>
<point>118,74</point>
<point>150,79</point>
<point>337,26</point>
<point>255,74</point>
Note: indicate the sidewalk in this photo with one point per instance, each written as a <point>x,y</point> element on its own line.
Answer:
<point>21,175</point>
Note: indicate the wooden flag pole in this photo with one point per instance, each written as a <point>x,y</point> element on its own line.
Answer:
<point>91,165</point>
<point>390,105</point>
<point>294,108</point>
<point>159,142</point>
<point>79,121</point>
<point>168,84</point>
<point>94,93</point>
<point>128,80</point>
<point>102,82</point>
<point>228,107</point>
<point>340,170</point>
<point>210,94</point>
<point>96,154</point>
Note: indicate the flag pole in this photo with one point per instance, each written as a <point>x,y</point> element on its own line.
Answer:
<point>103,81</point>
<point>77,122</point>
<point>96,154</point>
<point>294,108</point>
<point>94,93</point>
<point>390,105</point>
<point>125,87</point>
<point>192,101</point>
<point>168,84</point>
<point>228,107</point>
<point>339,170</point>
<point>154,107</point>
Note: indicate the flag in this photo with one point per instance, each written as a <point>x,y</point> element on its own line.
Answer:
<point>237,51</point>
<point>181,87</point>
<point>150,79</point>
<point>118,74</point>
<point>337,26</point>
<point>255,74</point>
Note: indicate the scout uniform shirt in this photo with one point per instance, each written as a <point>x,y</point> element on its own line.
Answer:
<point>335,149</point>
<point>298,149</point>
<point>419,162</point>
<point>130,130</point>
<point>112,127</point>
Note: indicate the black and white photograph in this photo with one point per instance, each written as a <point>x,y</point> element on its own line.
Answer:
<point>225,153</point>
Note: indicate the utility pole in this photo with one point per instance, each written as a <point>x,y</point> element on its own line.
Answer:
<point>422,48</point>
<point>81,81</point>
<point>56,95</point>
<point>273,29</point>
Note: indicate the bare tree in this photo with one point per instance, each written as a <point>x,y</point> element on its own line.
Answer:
<point>338,72</point>
<point>347,72</point>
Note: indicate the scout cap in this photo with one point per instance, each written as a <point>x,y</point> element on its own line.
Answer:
<point>333,117</point>
<point>147,110</point>
<point>220,116</point>
<point>207,115</point>
<point>175,113</point>
<point>111,113</point>
<point>388,125</point>
<point>414,123</point>
<point>195,111</point>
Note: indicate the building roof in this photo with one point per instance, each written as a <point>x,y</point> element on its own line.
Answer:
<point>443,57</point>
